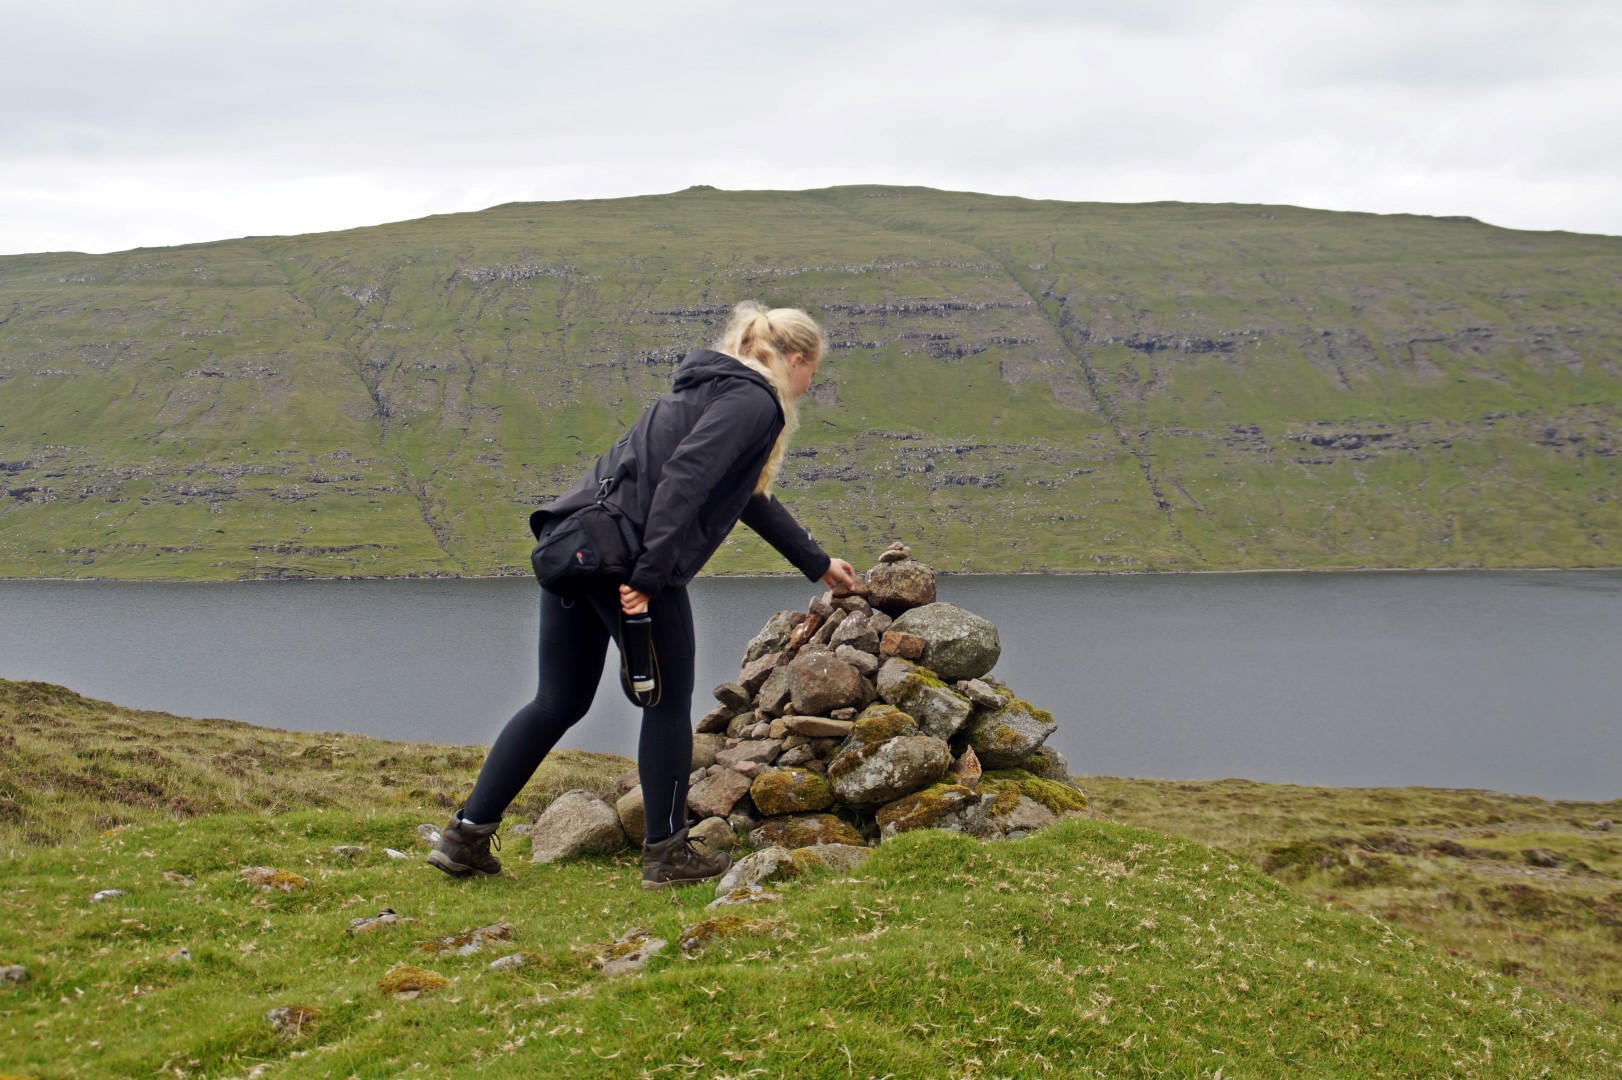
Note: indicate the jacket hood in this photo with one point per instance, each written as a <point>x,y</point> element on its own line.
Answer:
<point>705,365</point>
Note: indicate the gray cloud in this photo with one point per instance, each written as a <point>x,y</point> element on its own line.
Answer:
<point>176,121</point>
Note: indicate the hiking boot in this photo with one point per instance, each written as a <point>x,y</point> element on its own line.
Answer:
<point>464,849</point>
<point>675,862</point>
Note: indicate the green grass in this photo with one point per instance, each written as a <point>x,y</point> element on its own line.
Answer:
<point>1017,384</point>
<point>1094,948</point>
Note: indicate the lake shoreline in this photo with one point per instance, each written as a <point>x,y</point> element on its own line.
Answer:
<point>788,577</point>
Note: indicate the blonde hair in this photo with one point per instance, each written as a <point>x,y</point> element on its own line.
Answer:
<point>762,341</point>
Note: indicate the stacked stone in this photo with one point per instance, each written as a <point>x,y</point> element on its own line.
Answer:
<point>870,714</point>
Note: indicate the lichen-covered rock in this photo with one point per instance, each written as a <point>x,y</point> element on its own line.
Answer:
<point>386,917</point>
<point>1004,788</point>
<point>715,796</point>
<point>577,823</point>
<point>13,973</point>
<point>630,952</point>
<point>632,815</point>
<point>716,834</point>
<point>790,791</point>
<point>1003,736</point>
<point>467,942</point>
<point>1047,763</point>
<point>820,682</point>
<point>938,709</point>
<point>880,722</point>
<point>939,806</point>
<point>958,644</point>
<point>700,936</point>
<point>268,879</point>
<point>804,830</point>
<point>705,746</point>
<point>768,864</point>
<point>747,894</point>
<point>867,775</point>
<point>1025,816</point>
<point>773,637</point>
<point>832,858</point>
<point>899,586</point>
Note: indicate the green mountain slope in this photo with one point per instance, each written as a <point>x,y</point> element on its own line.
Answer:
<point>1019,385</point>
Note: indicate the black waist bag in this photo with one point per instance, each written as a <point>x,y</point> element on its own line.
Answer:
<point>585,550</point>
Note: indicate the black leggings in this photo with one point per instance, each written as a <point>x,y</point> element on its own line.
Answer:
<point>574,641</point>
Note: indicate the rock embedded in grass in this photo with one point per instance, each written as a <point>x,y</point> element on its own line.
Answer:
<point>577,823</point>
<point>467,942</point>
<point>408,981</point>
<point>768,864</point>
<point>13,974</point>
<point>269,879</point>
<point>291,1021</point>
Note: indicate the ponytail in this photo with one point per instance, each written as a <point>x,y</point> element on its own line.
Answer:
<point>762,341</point>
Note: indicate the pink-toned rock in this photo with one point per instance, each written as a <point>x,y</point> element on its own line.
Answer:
<point>715,796</point>
<point>716,719</point>
<point>805,630</point>
<point>817,727</point>
<point>898,643</point>
<point>763,751</point>
<point>754,673</point>
<point>820,682</point>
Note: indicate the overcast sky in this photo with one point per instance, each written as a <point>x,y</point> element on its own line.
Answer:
<point>163,122</point>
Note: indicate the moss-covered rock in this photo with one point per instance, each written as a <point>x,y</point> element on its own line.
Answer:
<point>1008,785</point>
<point>701,935</point>
<point>804,830</point>
<point>406,979</point>
<point>829,858</point>
<point>790,791</point>
<point>1002,737</point>
<point>939,806</point>
<point>958,644</point>
<point>938,709</point>
<point>868,775</point>
<point>880,722</point>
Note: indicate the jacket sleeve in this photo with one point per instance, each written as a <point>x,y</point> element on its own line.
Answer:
<point>732,426</point>
<point>771,519</point>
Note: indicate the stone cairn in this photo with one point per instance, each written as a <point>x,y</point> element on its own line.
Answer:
<point>870,714</point>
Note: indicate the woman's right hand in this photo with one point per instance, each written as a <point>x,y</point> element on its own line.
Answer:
<point>840,576</point>
<point>631,601</point>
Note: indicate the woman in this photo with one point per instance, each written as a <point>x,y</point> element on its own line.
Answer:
<point>699,460</point>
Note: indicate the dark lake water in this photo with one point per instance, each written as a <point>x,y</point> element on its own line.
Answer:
<point>1509,681</point>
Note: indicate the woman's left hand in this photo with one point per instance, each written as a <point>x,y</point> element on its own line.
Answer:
<point>631,601</point>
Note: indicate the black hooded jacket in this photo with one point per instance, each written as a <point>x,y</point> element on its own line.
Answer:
<point>685,474</point>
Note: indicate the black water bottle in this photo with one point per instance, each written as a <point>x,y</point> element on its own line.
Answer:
<point>636,651</point>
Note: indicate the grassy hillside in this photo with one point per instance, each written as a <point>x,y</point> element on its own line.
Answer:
<point>1093,948</point>
<point>1023,385</point>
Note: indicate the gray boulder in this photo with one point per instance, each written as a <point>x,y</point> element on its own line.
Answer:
<point>958,644</point>
<point>776,692</point>
<point>705,746</point>
<point>857,632</point>
<point>577,823</point>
